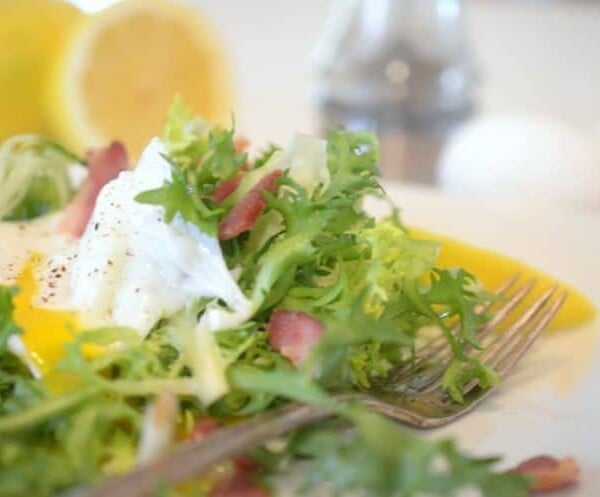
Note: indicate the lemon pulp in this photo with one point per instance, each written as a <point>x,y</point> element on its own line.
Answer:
<point>122,67</point>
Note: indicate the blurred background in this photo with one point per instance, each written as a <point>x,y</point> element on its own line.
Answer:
<point>478,97</point>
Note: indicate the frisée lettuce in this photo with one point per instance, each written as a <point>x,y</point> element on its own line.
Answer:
<point>311,249</point>
<point>34,177</point>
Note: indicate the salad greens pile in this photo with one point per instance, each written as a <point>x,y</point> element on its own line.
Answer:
<point>313,249</point>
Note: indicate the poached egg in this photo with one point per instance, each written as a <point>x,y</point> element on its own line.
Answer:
<point>130,268</point>
<point>23,247</point>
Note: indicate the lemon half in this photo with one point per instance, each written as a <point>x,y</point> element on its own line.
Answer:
<point>121,68</point>
<point>31,34</point>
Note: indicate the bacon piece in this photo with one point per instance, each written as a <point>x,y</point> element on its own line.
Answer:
<point>226,188</point>
<point>293,333</point>
<point>238,485</point>
<point>243,215</point>
<point>549,473</point>
<point>241,144</point>
<point>104,164</point>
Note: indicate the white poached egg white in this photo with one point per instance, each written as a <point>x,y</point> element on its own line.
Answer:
<point>130,268</point>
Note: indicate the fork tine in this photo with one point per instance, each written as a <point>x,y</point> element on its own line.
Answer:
<point>513,343</point>
<point>529,339</point>
<point>508,307</point>
<point>500,314</point>
<point>495,350</point>
<point>432,379</point>
<point>438,347</point>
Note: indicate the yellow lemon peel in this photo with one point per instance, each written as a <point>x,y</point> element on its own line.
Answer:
<point>32,33</point>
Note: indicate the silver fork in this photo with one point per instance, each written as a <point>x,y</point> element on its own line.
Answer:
<point>412,394</point>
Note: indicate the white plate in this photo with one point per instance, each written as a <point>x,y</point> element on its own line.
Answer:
<point>550,404</point>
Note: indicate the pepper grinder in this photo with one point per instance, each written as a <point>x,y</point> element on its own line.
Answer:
<point>400,68</point>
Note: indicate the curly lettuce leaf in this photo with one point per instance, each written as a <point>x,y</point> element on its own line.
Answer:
<point>453,296</point>
<point>178,197</point>
<point>200,156</point>
<point>379,457</point>
<point>183,133</point>
<point>84,419</point>
<point>314,250</point>
<point>352,163</point>
<point>196,146</point>
<point>394,257</point>
<point>34,177</point>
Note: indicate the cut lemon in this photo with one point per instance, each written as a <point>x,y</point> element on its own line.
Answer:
<point>122,67</point>
<point>31,33</point>
<point>492,269</point>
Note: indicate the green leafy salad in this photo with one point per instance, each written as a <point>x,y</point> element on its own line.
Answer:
<point>235,284</point>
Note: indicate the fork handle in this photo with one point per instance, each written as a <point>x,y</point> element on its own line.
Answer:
<point>194,457</point>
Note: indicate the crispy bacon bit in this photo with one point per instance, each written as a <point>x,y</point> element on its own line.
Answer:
<point>243,216</point>
<point>226,188</point>
<point>293,333</point>
<point>238,485</point>
<point>549,473</point>
<point>104,164</point>
<point>241,144</point>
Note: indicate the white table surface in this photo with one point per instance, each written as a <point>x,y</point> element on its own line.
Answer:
<point>534,56</point>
